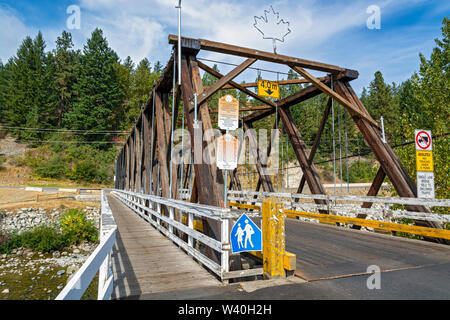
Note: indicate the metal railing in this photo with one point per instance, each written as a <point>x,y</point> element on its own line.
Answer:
<point>151,208</point>
<point>381,208</point>
<point>99,260</point>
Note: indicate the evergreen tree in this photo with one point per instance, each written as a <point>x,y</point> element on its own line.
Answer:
<point>2,92</point>
<point>125,71</point>
<point>430,111</point>
<point>142,80</point>
<point>380,102</point>
<point>65,64</point>
<point>158,68</point>
<point>28,90</point>
<point>98,92</point>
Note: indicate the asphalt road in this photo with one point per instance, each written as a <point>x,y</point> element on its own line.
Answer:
<point>333,262</point>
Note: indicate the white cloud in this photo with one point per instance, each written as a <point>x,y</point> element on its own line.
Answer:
<point>12,32</point>
<point>321,30</point>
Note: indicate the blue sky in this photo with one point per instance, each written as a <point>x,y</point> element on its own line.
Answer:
<point>329,31</point>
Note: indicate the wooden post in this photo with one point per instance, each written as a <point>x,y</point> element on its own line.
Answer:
<point>273,224</point>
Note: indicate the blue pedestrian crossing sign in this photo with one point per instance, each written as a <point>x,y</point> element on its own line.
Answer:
<point>245,236</point>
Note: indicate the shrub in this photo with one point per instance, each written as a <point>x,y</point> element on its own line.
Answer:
<point>77,227</point>
<point>54,168</point>
<point>43,238</point>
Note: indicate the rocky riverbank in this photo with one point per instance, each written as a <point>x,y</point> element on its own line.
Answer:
<point>26,274</point>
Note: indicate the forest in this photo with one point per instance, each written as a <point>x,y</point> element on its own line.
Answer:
<point>74,108</point>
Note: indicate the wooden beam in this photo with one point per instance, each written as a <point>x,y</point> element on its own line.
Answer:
<point>316,142</point>
<point>299,146</point>
<point>235,85</point>
<point>218,181</point>
<point>224,80</point>
<point>204,179</point>
<point>256,54</point>
<point>162,145</point>
<point>266,182</point>
<point>321,86</point>
<point>280,82</point>
<point>388,163</point>
<point>303,95</point>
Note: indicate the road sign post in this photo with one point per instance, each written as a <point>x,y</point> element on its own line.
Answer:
<point>227,145</point>
<point>424,164</point>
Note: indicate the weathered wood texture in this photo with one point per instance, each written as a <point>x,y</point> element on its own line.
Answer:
<point>145,261</point>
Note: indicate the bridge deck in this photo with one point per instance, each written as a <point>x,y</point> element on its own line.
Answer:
<point>325,251</point>
<point>145,261</point>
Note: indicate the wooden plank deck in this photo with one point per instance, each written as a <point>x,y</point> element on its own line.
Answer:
<point>145,261</point>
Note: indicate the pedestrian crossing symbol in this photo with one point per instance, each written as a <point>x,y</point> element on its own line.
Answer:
<point>245,236</point>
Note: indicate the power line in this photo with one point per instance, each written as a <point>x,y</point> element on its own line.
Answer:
<point>61,130</point>
<point>68,142</point>
<point>365,153</point>
<point>236,65</point>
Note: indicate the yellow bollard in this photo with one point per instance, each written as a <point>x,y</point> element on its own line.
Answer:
<point>273,227</point>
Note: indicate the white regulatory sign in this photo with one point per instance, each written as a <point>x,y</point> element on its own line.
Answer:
<point>425,185</point>
<point>228,113</point>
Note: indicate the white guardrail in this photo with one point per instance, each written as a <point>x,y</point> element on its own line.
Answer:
<point>350,205</point>
<point>150,208</point>
<point>99,260</point>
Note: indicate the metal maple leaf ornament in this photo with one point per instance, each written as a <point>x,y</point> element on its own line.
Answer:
<point>271,27</point>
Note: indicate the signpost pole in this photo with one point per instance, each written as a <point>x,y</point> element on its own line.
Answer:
<point>225,193</point>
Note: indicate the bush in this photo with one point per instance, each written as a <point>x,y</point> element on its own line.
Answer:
<point>73,228</point>
<point>43,238</point>
<point>54,168</point>
<point>77,227</point>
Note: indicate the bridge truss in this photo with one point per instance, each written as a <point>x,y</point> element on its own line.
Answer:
<point>143,164</point>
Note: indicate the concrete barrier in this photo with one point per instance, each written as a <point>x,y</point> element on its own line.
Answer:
<point>33,189</point>
<point>88,198</point>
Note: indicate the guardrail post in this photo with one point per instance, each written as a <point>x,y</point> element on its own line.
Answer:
<point>171,216</point>
<point>225,254</point>
<point>191,226</point>
<point>273,227</point>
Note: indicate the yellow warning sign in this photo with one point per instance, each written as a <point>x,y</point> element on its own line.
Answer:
<point>424,161</point>
<point>268,89</point>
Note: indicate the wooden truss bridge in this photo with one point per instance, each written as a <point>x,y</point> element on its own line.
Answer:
<point>192,213</point>
<point>144,162</point>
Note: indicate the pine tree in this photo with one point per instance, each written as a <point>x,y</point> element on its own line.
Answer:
<point>65,64</point>
<point>125,71</point>
<point>28,88</point>
<point>380,102</point>
<point>158,68</point>
<point>98,92</point>
<point>3,75</point>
